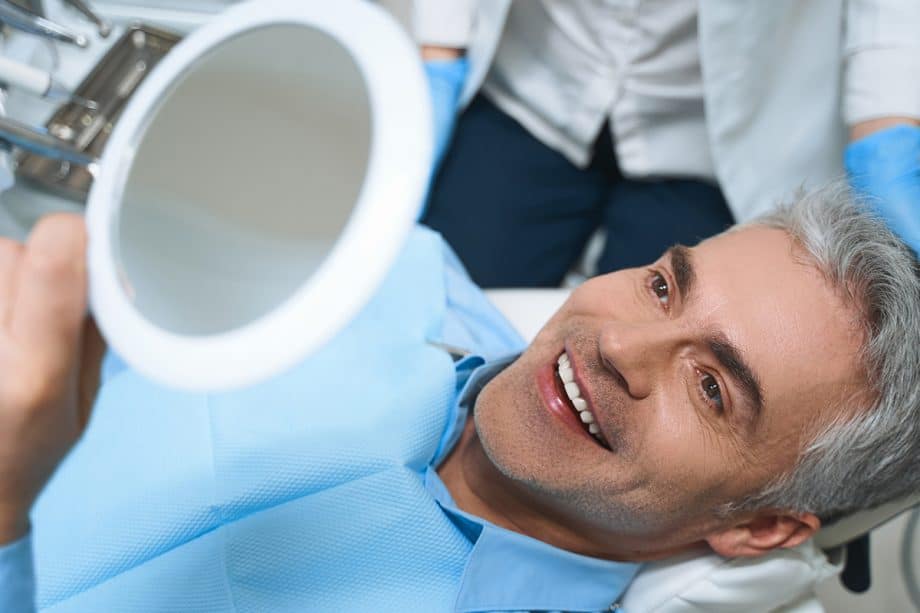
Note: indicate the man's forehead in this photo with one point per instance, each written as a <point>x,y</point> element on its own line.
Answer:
<point>758,277</point>
<point>760,260</point>
<point>751,242</point>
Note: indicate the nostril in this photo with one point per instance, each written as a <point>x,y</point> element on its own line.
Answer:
<point>617,375</point>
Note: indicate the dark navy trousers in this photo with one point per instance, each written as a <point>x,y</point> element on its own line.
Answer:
<point>519,214</point>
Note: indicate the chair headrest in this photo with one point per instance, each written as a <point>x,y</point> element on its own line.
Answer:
<point>848,528</point>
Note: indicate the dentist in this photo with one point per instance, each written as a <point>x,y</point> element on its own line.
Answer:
<point>639,117</point>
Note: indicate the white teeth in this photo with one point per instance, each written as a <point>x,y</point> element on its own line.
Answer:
<point>567,375</point>
<point>571,388</point>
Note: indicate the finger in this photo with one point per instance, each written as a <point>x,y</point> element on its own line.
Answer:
<point>94,348</point>
<point>50,302</point>
<point>10,255</point>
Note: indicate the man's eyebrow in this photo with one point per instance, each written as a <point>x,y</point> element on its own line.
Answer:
<point>726,352</point>
<point>681,259</point>
<point>730,357</point>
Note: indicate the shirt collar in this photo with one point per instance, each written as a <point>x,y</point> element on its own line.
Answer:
<point>508,571</point>
<point>473,373</point>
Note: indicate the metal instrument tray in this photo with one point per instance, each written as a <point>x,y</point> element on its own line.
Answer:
<point>110,84</point>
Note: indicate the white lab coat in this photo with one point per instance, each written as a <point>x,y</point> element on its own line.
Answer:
<point>782,80</point>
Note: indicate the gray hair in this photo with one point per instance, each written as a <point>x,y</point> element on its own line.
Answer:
<point>868,455</point>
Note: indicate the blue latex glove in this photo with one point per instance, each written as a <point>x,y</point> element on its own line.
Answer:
<point>445,81</point>
<point>885,167</point>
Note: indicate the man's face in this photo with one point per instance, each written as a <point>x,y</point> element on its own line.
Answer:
<point>704,373</point>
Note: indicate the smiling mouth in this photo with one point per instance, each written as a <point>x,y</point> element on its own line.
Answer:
<point>571,395</point>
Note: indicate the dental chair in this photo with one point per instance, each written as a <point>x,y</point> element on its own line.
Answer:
<point>783,580</point>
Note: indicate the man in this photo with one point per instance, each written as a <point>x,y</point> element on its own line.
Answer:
<point>735,395</point>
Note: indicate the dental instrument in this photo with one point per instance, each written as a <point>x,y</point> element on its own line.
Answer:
<point>110,84</point>
<point>21,19</point>
<point>38,82</point>
<point>103,27</point>
<point>14,133</point>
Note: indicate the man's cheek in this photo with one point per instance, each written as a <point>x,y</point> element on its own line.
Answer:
<point>688,474</point>
<point>492,417</point>
<point>500,434</point>
<point>663,445</point>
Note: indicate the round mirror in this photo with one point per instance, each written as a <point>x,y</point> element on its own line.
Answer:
<point>256,190</point>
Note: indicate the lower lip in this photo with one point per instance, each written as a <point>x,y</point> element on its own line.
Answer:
<point>556,404</point>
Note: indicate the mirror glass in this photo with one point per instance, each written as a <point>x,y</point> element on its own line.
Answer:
<point>243,180</point>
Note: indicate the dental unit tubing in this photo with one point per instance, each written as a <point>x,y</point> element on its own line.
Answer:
<point>31,79</point>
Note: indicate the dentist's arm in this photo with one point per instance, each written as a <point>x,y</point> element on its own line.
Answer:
<point>445,82</point>
<point>881,104</point>
<point>49,371</point>
<point>883,164</point>
<point>443,29</point>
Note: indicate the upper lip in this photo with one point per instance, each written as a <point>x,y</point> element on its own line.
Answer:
<point>586,393</point>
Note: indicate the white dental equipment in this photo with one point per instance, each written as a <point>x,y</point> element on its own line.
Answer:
<point>36,81</point>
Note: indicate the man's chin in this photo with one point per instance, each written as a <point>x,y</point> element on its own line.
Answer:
<point>537,473</point>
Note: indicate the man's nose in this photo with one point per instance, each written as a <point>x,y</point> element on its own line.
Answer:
<point>638,353</point>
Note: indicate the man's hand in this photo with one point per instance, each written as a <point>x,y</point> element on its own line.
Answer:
<point>50,353</point>
<point>446,70</point>
<point>883,163</point>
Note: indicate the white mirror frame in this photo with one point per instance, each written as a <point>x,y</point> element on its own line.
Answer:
<point>388,204</point>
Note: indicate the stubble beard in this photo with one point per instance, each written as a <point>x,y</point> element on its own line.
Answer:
<point>518,460</point>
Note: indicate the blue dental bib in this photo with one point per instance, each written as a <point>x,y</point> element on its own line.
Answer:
<point>304,493</point>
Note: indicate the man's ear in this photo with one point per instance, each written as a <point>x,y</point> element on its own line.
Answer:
<point>763,533</point>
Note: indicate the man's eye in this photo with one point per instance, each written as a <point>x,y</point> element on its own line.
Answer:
<point>711,390</point>
<point>660,287</point>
